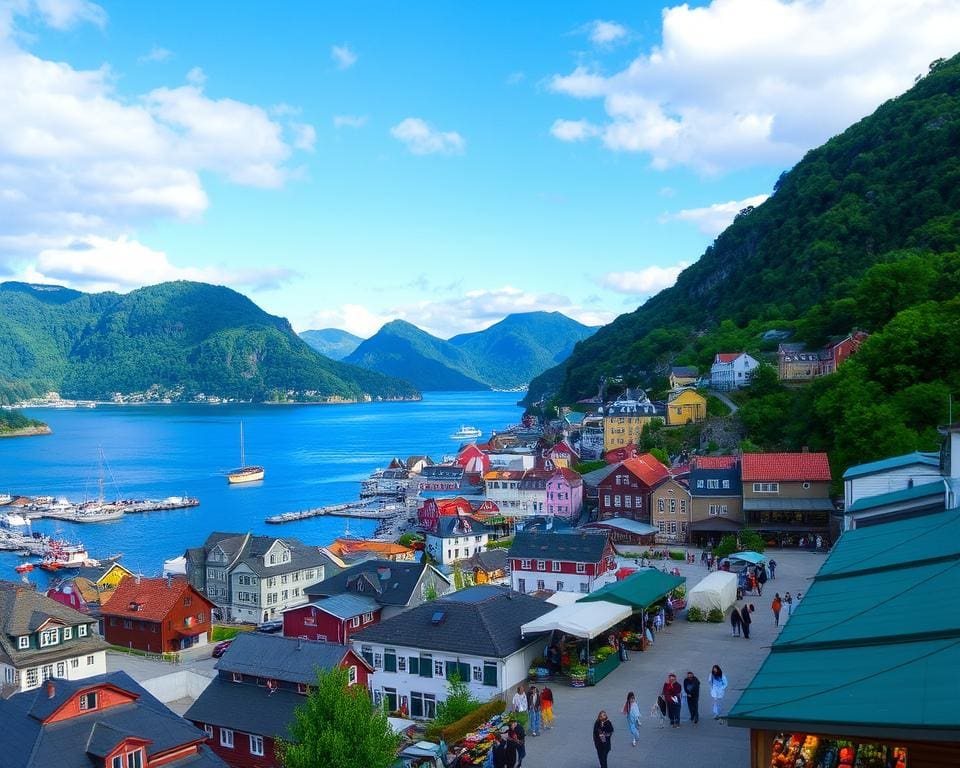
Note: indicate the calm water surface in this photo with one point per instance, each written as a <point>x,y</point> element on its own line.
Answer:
<point>313,455</point>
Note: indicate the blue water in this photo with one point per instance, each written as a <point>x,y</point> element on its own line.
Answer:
<point>313,455</point>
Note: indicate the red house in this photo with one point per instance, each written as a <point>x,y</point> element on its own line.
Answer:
<point>473,460</point>
<point>836,354</point>
<point>261,680</point>
<point>157,615</point>
<point>573,561</point>
<point>332,619</point>
<point>625,492</point>
<point>624,452</point>
<point>562,455</point>
<point>433,509</point>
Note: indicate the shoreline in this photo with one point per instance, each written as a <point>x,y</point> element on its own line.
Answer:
<point>27,432</point>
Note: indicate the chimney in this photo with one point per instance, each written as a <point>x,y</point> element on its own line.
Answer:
<point>51,689</point>
<point>169,581</point>
<point>136,579</point>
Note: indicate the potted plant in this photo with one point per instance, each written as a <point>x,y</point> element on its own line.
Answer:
<point>578,675</point>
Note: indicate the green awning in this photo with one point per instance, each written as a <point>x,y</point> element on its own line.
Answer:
<point>638,590</point>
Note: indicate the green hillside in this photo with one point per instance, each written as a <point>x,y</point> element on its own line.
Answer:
<point>182,337</point>
<point>331,342</point>
<point>863,232</point>
<point>505,356</point>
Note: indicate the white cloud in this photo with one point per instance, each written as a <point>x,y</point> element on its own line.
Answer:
<point>349,121</point>
<point>63,14</point>
<point>606,33</point>
<point>742,82</point>
<point>573,130</point>
<point>644,282</point>
<point>197,77</point>
<point>343,56</point>
<point>423,139</point>
<point>304,136</point>
<point>154,55</point>
<point>713,219</point>
<point>462,313</point>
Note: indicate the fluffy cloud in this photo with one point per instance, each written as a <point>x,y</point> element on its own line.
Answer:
<point>464,313</point>
<point>606,33</point>
<point>304,136</point>
<point>349,121</point>
<point>715,218</point>
<point>64,14</point>
<point>573,130</point>
<point>154,55</point>
<point>421,138</point>
<point>644,282</point>
<point>741,82</point>
<point>343,56</point>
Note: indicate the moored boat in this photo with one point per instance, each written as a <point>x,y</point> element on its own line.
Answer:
<point>466,433</point>
<point>244,474</point>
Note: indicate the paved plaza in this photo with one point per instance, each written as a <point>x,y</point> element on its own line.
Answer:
<point>679,648</point>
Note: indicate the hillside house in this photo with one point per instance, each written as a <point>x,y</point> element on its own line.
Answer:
<point>731,370</point>
<point>432,509</point>
<point>455,538</point>
<point>624,420</point>
<point>671,509</point>
<point>625,491</point>
<point>686,406</point>
<point>716,495</point>
<point>683,376</point>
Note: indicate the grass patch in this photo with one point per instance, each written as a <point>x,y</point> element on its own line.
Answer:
<point>222,632</point>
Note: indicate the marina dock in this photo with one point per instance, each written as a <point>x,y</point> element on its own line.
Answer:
<point>356,509</point>
<point>100,511</point>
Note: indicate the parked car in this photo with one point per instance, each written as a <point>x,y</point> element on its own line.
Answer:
<point>221,648</point>
<point>270,626</point>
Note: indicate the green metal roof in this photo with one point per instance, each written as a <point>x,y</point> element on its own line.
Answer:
<point>895,462</point>
<point>893,497</point>
<point>875,643</point>
<point>639,589</point>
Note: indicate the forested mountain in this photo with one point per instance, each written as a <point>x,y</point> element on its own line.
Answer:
<point>331,342</point>
<point>504,356</point>
<point>863,232</point>
<point>182,337</point>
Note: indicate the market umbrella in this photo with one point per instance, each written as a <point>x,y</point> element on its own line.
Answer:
<point>754,558</point>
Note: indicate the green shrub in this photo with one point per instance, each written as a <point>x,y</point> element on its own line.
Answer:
<point>678,555</point>
<point>458,704</point>
<point>226,633</point>
<point>695,614</point>
<point>455,731</point>
<point>715,616</point>
<point>680,592</point>
<point>500,544</point>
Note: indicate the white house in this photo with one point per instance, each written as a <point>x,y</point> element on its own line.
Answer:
<point>456,537</point>
<point>731,370</point>
<point>561,562</point>
<point>473,633</point>
<point>899,486</point>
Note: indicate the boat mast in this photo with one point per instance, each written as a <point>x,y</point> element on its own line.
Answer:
<point>242,463</point>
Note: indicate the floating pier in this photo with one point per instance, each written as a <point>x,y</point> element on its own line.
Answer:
<point>356,509</point>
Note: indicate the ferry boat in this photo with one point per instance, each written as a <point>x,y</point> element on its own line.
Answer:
<point>244,474</point>
<point>466,433</point>
<point>61,555</point>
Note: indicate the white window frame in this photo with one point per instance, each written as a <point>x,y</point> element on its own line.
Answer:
<point>46,635</point>
<point>581,567</point>
<point>557,566</point>
<point>68,633</point>
<point>352,673</point>
<point>209,729</point>
<point>82,630</point>
<point>541,565</point>
<point>226,738</point>
<point>766,487</point>
<point>256,745</point>
<point>23,642</point>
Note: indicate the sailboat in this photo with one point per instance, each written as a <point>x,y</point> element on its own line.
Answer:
<point>244,474</point>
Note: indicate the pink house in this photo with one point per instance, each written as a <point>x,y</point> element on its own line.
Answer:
<point>564,493</point>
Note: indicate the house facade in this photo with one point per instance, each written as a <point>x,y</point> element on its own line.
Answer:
<point>260,682</point>
<point>455,538</point>
<point>332,619</point>
<point>787,495</point>
<point>564,493</point>
<point>518,493</point>
<point>439,477</point>
<point>625,491</point>
<point>473,633</point>
<point>562,455</point>
<point>160,615</point>
<point>108,721</point>
<point>716,494</point>
<point>683,376</point>
<point>432,509</point>
<point>42,638</point>
<point>731,370</point>
<point>686,407</point>
<point>577,561</point>
<point>671,510</point>
<point>624,420</point>
<point>797,363</point>
<point>893,488</point>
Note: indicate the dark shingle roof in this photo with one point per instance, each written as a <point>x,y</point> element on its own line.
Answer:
<point>280,658</point>
<point>246,707</point>
<point>386,581</point>
<point>576,546</point>
<point>26,743</point>
<point>478,621</point>
<point>452,526</point>
<point>489,559</point>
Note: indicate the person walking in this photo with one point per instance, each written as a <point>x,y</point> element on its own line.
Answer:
<point>602,733</point>
<point>499,752</point>
<point>533,710</point>
<point>789,601</point>
<point>775,606</point>
<point>773,569</point>
<point>671,694</point>
<point>735,621</point>
<point>745,620</point>
<point>546,707</point>
<point>518,736</point>
<point>691,687</point>
<point>718,687</point>
<point>632,711</point>
<point>519,700</point>
<point>761,579</point>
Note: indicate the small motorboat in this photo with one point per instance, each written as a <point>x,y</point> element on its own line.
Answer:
<point>24,568</point>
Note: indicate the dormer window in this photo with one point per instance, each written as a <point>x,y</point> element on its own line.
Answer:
<point>23,642</point>
<point>49,637</point>
<point>88,701</point>
<point>82,630</point>
<point>68,633</point>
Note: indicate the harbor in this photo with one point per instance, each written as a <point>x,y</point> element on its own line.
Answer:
<point>354,509</point>
<point>46,507</point>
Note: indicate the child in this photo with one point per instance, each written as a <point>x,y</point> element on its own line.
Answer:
<point>659,711</point>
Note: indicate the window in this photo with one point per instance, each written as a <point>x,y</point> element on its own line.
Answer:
<point>438,668</point>
<point>237,677</point>
<point>201,617</point>
<point>426,665</point>
<point>540,585</point>
<point>390,694</point>
<point>401,663</point>
<point>713,483</point>
<point>352,675</point>
<point>477,674</point>
<point>303,689</point>
<point>559,586</point>
<point>74,663</point>
<point>606,499</point>
<point>68,633</point>
<point>525,565</point>
<point>556,566</point>
<point>88,701</point>
<point>49,637</point>
<point>367,652</point>
<point>23,641</point>
<point>296,591</point>
<point>377,660</point>
<point>683,506</point>
<point>490,673</point>
<point>521,585</point>
<point>127,624</point>
<point>766,487</point>
<point>541,565</point>
<point>46,671</point>
<point>226,738</point>
<point>806,486</point>
<point>256,744</point>
<point>616,500</point>
<point>581,567</point>
<point>283,578</point>
<point>286,594</point>
<point>628,501</point>
<point>117,762</point>
<point>273,559</point>
<point>209,730</point>
<point>33,677</point>
<point>673,526</point>
<point>187,601</point>
<point>135,759</point>
<point>82,630</point>
<point>584,587</point>
<point>389,660</point>
<point>726,484</point>
<point>355,621</point>
<point>423,705</point>
<point>308,575</point>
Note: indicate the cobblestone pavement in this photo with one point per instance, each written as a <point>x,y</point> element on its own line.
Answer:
<point>679,648</point>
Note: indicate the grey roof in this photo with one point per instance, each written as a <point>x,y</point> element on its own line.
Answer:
<point>23,611</point>
<point>575,546</point>
<point>442,472</point>
<point>480,621</point>
<point>247,708</point>
<point>489,559</point>
<point>686,371</point>
<point>594,478</point>
<point>26,743</point>
<point>732,475</point>
<point>788,505</point>
<point>452,526</point>
<point>280,658</point>
<point>249,550</point>
<point>625,524</point>
<point>343,606</point>
<point>386,581</point>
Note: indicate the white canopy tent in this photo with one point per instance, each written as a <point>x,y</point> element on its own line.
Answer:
<point>579,619</point>
<point>564,598</point>
<point>718,590</point>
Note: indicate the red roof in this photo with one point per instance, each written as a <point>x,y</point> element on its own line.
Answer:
<point>155,598</point>
<point>727,357</point>
<point>457,506</point>
<point>786,467</point>
<point>647,468</point>
<point>715,462</point>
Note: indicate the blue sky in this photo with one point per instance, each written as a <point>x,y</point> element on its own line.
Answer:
<point>444,163</point>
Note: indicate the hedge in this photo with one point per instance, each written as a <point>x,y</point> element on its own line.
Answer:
<point>456,731</point>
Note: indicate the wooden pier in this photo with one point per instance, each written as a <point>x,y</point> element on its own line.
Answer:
<point>355,509</point>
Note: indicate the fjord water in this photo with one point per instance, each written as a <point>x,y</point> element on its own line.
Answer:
<point>313,455</point>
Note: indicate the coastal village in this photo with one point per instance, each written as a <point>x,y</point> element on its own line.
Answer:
<point>555,556</point>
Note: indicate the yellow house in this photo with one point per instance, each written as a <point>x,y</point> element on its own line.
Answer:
<point>623,423</point>
<point>683,376</point>
<point>97,587</point>
<point>686,407</point>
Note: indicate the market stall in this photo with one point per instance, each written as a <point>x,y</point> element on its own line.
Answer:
<point>718,590</point>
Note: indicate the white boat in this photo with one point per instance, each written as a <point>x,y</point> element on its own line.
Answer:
<point>13,520</point>
<point>94,513</point>
<point>5,498</point>
<point>466,433</point>
<point>244,474</point>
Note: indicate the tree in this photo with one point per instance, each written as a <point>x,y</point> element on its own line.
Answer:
<point>337,727</point>
<point>660,455</point>
<point>459,702</point>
